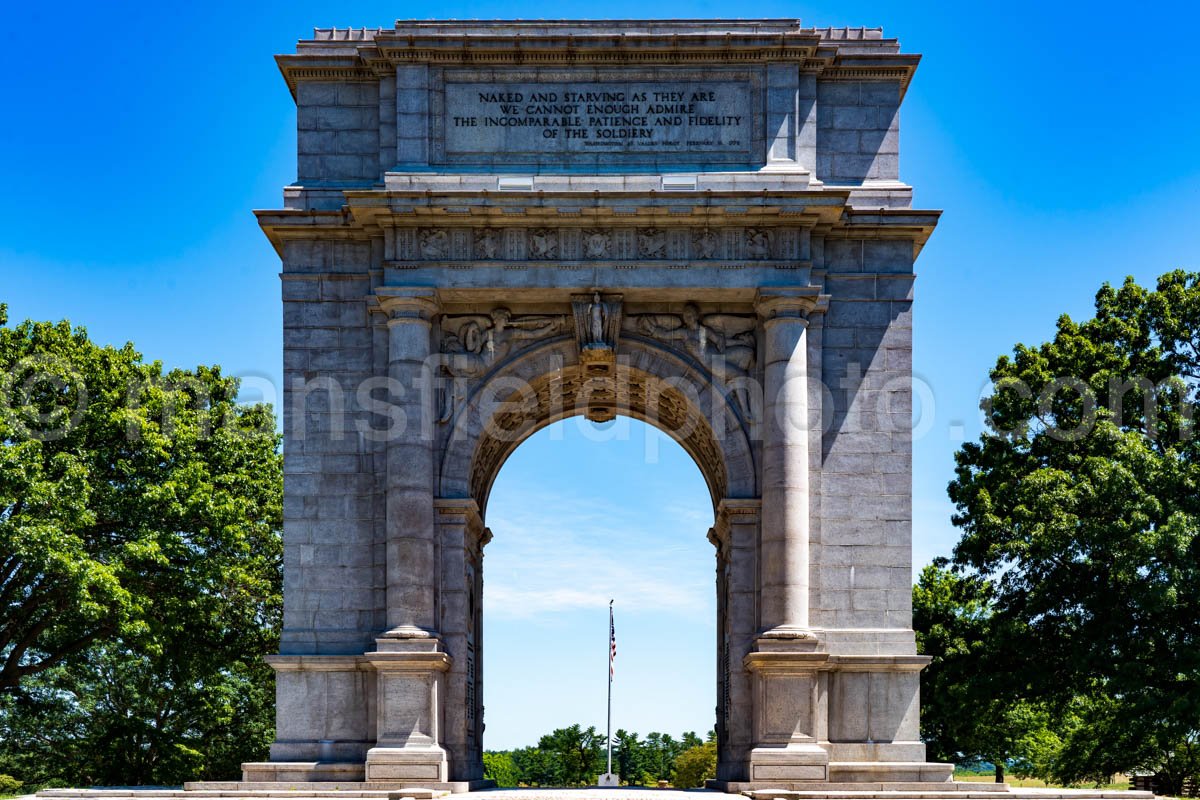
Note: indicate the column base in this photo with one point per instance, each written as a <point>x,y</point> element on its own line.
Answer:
<point>789,764</point>
<point>408,764</point>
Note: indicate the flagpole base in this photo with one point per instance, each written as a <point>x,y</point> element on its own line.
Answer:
<point>609,779</point>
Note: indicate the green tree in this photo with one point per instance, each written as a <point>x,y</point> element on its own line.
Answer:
<point>972,667</point>
<point>501,768</point>
<point>536,767</point>
<point>578,754</point>
<point>661,750</point>
<point>629,758</point>
<point>140,564</point>
<point>1081,506</point>
<point>695,765</point>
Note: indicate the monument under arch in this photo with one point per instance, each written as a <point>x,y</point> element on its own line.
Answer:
<point>496,225</point>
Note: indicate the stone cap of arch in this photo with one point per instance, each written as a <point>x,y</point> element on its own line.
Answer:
<point>729,470</point>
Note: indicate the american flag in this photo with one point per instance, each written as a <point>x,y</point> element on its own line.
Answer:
<point>612,641</point>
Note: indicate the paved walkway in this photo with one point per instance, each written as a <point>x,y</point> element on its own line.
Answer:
<point>622,793</point>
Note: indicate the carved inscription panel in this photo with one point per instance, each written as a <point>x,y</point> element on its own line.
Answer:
<point>524,116</point>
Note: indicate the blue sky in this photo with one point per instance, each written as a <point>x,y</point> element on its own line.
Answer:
<point>1059,138</point>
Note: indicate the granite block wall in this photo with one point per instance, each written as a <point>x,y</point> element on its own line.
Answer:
<point>858,131</point>
<point>333,559</point>
<point>338,133</point>
<point>862,565</point>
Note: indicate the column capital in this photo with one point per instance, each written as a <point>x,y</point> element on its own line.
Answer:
<point>457,511</point>
<point>740,511</point>
<point>449,507</point>
<point>405,304</point>
<point>794,303</point>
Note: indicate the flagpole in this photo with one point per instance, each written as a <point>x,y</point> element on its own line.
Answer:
<point>611,634</point>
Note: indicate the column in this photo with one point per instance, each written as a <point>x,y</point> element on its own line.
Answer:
<point>411,546</point>
<point>409,661</point>
<point>785,490</point>
<point>785,661</point>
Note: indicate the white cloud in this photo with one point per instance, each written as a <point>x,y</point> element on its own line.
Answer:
<point>556,553</point>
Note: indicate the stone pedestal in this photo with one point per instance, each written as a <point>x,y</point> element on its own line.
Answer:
<point>411,683</point>
<point>789,714</point>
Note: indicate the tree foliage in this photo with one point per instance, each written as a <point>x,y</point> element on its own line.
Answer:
<point>501,768</point>
<point>696,765</point>
<point>971,669</point>
<point>1081,509</point>
<point>140,558</point>
<point>575,756</point>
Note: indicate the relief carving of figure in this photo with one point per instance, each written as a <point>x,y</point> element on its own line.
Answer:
<point>724,341</point>
<point>433,243</point>
<point>595,244</point>
<point>487,243</point>
<point>705,243</point>
<point>473,343</point>
<point>543,243</point>
<point>527,326</point>
<point>758,243</point>
<point>652,243</point>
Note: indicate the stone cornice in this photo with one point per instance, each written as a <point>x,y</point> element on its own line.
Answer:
<point>805,661</point>
<point>366,54</point>
<point>314,663</point>
<point>538,208</point>
<point>409,661</point>
<point>887,223</point>
<point>370,213</point>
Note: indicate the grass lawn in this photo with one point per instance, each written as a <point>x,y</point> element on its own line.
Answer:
<point>1027,783</point>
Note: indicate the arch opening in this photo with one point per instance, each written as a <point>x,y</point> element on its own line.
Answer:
<point>566,538</point>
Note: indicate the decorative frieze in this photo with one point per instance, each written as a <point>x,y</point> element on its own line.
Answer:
<point>706,243</point>
<point>595,244</point>
<point>487,244</point>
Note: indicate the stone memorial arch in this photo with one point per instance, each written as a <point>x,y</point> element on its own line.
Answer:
<point>496,225</point>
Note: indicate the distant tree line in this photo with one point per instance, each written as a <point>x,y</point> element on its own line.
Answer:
<point>576,756</point>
